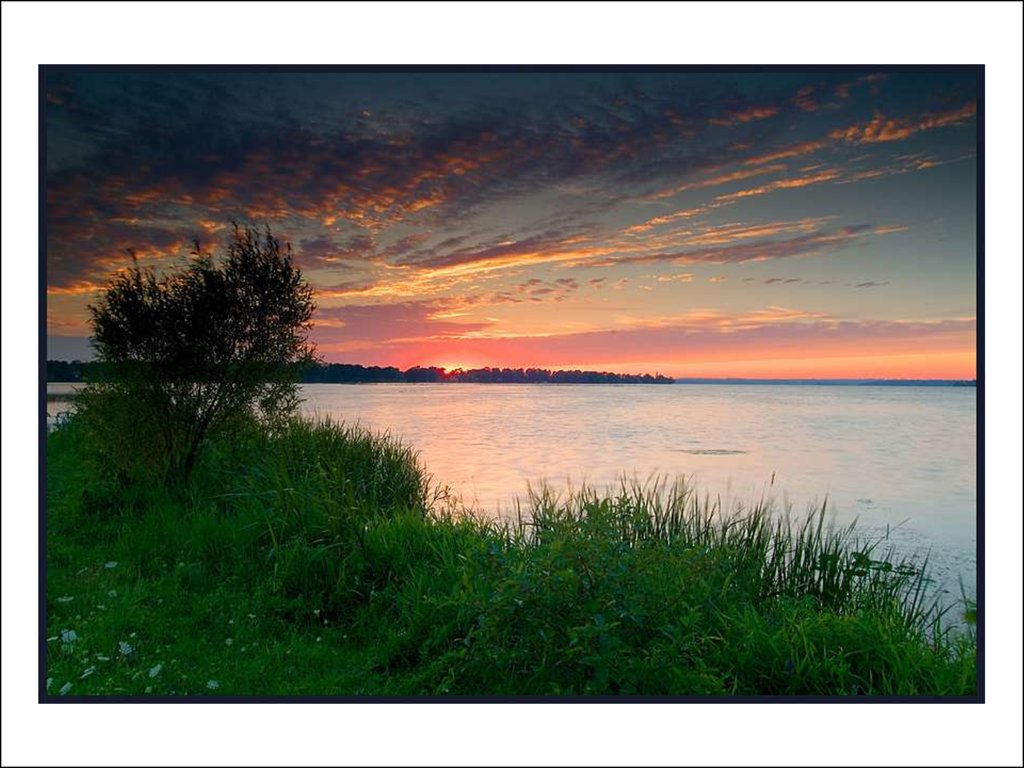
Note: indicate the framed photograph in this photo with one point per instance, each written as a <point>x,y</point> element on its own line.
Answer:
<point>512,383</point>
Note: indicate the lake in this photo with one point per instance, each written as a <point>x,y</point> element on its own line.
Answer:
<point>894,457</point>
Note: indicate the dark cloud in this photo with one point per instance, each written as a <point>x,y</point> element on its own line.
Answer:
<point>152,146</point>
<point>325,248</point>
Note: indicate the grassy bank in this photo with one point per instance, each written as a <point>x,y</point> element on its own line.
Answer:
<point>318,562</point>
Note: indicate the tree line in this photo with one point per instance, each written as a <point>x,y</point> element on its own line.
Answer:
<point>348,373</point>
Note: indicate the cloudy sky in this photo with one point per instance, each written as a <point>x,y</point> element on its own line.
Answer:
<point>781,224</point>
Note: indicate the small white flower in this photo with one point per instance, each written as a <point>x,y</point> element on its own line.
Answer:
<point>232,621</point>
<point>65,599</point>
<point>318,638</point>
<point>229,641</point>
<point>125,649</point>
<point>68,636</point>
<point>64,689</point>
<point>110,564</point>
<point>88,671</point>
<point>252,615</point>
<point>316,611</point>
<point>155,670</point>
<point>212,684</point>
<point>112,593</point>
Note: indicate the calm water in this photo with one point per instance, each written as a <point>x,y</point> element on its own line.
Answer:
<point>902,457</point>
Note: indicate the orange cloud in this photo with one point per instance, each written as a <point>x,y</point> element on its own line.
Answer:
<point>715,181</point>
<point>801,181</point>
<point>794,150</point>
<point>75,288</point>
<point>657,221</point>
<point>729,233</point>
<point>881,129</point>
<point>745,116</point>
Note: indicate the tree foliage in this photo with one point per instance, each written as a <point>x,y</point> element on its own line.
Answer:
<point>202,348</point>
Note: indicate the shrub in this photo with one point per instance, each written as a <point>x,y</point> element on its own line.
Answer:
<point>197,351</point>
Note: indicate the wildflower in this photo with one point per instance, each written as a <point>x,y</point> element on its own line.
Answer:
<point>229,641</point>
<point>112,593</point>
<point>316,611</point>
<point>64,689</point>
<point>68,636</point>
<point>110,564</point>
<point>318,638</point>
<point>155,670</point>
<point>212,684</point>
<point>252,615</point>
<point>88,671</point>
<point>125,649</point>
<point>65,599</point>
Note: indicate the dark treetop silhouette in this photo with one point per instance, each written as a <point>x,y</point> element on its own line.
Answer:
<point>203,348</point>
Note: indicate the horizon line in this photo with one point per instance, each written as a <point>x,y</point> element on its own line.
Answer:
<point>682,379</point>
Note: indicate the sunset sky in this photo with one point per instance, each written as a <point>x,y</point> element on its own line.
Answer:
<point>763,224</point>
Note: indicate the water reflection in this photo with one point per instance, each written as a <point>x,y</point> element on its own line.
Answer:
<point>901,458</point>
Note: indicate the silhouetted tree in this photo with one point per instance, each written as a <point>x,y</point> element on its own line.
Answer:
<point>202,348</point>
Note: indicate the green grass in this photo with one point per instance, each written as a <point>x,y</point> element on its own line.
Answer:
<point>318,561</point>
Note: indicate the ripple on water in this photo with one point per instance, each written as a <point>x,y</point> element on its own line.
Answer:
<point>710,451</point>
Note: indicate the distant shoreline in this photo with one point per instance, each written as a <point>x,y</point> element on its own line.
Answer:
<point>728,382</point>
<point>63,372</point>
